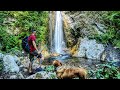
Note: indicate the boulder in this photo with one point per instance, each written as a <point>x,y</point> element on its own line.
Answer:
<point>90,49</point>
<point>113,54</point>
<point>10,64</point>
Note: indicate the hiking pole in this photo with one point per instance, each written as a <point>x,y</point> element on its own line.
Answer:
<point>41,55</point>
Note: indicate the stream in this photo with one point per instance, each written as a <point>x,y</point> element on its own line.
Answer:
<point>90,64</point>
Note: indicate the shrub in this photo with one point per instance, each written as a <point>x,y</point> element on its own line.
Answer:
<point>106,71</point>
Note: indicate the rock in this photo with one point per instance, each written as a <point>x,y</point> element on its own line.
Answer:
<point>10,64</point>
<point>90,49</point>
<point>20,76</point>
<point>17,76</point>
<point>55,54</point>
<point>100,28</point>
<point>13,77</point>
<point>17,60</point>
<point>1,56</point>
<point>113,54</point>
<point>103,56</point>
<point>16,52</point>
<point>21,67</point>
<point>25,62</point>
<point>31,76</point>
<point>25,70</point>
<point>43,75</point>
<point>82,23</point>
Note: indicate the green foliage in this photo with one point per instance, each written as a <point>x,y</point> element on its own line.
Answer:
<point>106,71</point>
<point>112,35</point>
<point>91,73</point>
<point>38,76</point>
<point>49,68</point>
<point>15,25</point>
<point>53,76</point>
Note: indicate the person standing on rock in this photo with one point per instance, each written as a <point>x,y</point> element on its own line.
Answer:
<point>33,50</point>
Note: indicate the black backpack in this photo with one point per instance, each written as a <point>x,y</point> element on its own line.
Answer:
<point>25,44</point>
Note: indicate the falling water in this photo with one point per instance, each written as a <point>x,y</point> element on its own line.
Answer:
<point>59,43</point>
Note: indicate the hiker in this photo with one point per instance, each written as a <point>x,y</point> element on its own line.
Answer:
<point>33,50</point>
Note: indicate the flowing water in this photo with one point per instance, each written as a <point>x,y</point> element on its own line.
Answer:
<point>59,43</point>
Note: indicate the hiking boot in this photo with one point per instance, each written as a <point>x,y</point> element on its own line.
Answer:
<point>30,73</point>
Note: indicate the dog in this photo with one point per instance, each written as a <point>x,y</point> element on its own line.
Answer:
<point>56,63</point>
<point>70,73</point>
<point>65,72</point>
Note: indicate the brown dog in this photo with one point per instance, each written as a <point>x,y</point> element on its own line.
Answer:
<point>71,73</point>
<point>56,63</point>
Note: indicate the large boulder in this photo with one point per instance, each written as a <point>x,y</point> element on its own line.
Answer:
<point>90,49</point>
<point>10,65</point>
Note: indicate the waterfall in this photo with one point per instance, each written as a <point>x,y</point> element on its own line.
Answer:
<point>59,43</point>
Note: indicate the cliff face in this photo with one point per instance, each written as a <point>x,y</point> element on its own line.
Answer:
<point>80,24</point>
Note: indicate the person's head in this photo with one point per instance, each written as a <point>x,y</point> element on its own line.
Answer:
<point>33,31</point>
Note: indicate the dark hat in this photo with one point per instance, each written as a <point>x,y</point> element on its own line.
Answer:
<point>33,30</point>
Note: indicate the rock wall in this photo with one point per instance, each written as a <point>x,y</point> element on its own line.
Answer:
<point>81,24</point>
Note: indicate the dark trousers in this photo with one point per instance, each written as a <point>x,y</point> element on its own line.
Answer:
<point>34,53</point>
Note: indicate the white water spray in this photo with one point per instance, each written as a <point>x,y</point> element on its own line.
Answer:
<point>59,43</point>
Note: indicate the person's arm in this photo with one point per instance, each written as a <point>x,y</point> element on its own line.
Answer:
<point>34,44</point>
